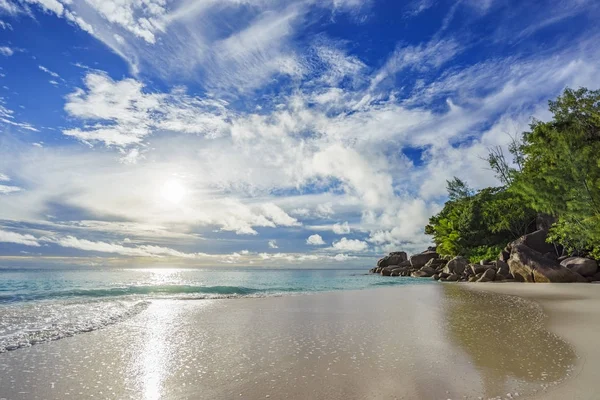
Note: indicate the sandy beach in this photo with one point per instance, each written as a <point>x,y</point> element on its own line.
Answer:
<point>573,313</point>
<point>438,341</point>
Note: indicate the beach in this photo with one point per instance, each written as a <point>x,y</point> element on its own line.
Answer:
<point>573,313</point>
<point>438,341</point>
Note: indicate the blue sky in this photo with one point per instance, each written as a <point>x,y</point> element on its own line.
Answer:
<point>266,132</point>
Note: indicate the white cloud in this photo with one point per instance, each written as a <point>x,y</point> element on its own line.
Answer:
<point>132,157</point>
<point>325,210</point>
<point>338,65</point>
<point>6,51</point>
<point>115,248</point>
<point>273,244</point>
<point>249,57</point>
<point>144,19</point>
<point>423,57</point>
<point>132,229</point>
<point>153,251</point>
<point>49,5</point>
<point>336,159</point>
<point>301,258</point>
<point>343,257</point>
<point>96,246</point>
<point>341,229</point>
<point>10,8</point>
<point>124,114</point>
<point>189,38</point>
<point>17,238</point>
<point>5,189</point>
<point>7,117</point>
<point>95,182</point>
<point>417,7</point>
<point>350,245</point>
<point>315,240</point>
<point>46,70</point>
<point>300,212</point>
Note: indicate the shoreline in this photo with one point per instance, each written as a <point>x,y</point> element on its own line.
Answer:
<point>409,341</point>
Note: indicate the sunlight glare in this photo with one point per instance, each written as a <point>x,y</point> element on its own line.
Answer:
<point>173,191</point>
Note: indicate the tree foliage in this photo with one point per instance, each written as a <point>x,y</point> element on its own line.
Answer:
<point>479,225</point>
<point>561,170</point>
<point>555,170</point>
<point>458,189</point>
<point>504,170</point>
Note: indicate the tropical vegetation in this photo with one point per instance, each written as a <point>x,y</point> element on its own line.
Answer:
<point>553,173</point>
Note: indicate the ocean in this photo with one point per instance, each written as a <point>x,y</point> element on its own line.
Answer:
<point>45,304</point>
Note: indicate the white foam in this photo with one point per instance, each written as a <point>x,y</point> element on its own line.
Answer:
<point>24,325</point>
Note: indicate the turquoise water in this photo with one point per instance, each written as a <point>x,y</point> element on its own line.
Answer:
<point>39,305</point>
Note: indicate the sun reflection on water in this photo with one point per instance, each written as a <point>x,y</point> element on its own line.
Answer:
<point>154,362</point>
<point>160,276</point>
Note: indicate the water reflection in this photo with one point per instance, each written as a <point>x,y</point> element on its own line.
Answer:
<point>154,349</point>
<point>506,339</point>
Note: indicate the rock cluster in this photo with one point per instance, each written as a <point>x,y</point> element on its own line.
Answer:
<point>527,259</point>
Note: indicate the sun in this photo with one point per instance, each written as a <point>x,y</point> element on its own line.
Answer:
<point>173,191</point>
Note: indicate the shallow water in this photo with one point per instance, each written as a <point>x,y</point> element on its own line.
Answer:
<point>44,304</point>
<point>409,342</point>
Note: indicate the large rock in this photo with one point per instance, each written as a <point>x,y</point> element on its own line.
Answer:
<point>488,276</point>
<point>456,266</point>
<point>504,255</point>
<point>502,268</point>
<point>397,271</point>
<point>425,272</point>
<point>421,274</point>
<point>595,278</point>
<point>395,258</point>
<point>419,260</point>
<point>583,266</point>
<point>477,269</point>
<point>528,265</point>
<point>403,267</point>
<point>435,263</point>
<point>536,241</point>
<point>551,255</point>
<point>387,271</point>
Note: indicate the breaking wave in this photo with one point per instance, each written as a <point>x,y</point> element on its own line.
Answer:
<point>185,291</point>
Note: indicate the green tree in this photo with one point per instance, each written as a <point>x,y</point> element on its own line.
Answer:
<point>458,189</point>
<point>481,224</point>
<point>561,170</point>
<point>505,171</point>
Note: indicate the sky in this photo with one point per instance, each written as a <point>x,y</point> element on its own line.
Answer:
<point>276,133</point>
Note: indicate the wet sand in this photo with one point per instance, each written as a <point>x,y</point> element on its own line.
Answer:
<point>438,341</point>
<point>573,312</point>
